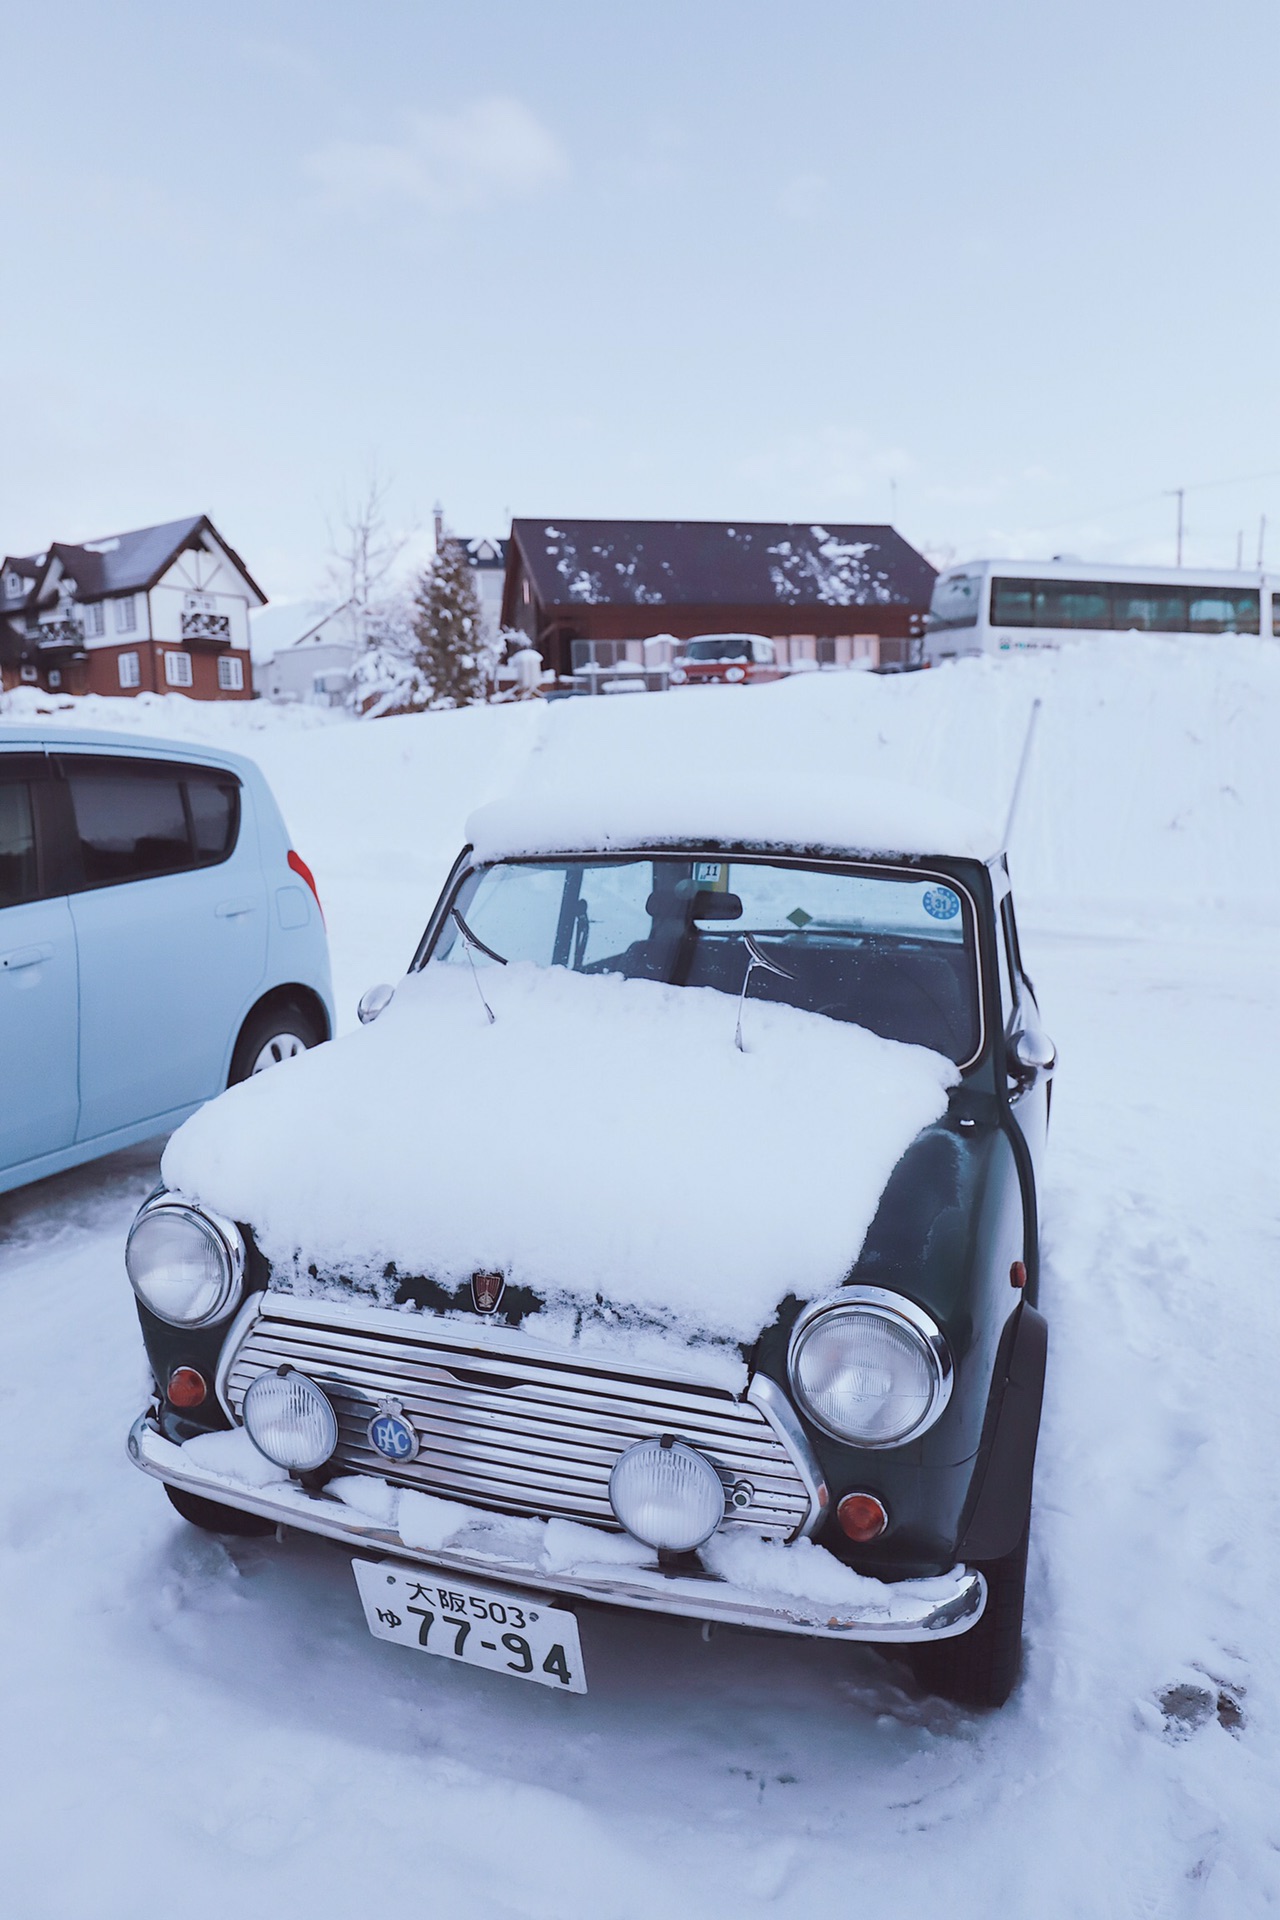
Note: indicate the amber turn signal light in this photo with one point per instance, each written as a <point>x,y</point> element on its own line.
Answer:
<point>1017,1274</point>
<point>862,1517</point>
<point>187,1388</point>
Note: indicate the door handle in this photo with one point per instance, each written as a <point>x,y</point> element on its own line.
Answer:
<point>232,909</point>
<point>20,957</point>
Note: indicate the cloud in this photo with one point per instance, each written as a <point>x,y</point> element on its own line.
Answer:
<point>493,150</point>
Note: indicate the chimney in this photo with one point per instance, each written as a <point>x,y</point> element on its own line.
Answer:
<point>439,519</point>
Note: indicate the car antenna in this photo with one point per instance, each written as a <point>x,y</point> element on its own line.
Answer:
<point>1020,776</point>
<point>756,958</point>
<point>470,940</point>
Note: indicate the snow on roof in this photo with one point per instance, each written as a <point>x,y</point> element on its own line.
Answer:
<point>711,563</point>
<point>421,1142</point>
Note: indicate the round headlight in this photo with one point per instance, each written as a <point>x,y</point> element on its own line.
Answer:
<point>667,1495</point>
<point>185,1265</point>
<point>289,1419</point>
<point>870,1368</point>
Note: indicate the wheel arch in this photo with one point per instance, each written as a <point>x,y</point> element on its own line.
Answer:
<point>289,997</point>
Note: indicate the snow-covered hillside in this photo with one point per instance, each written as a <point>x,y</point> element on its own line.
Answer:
<point>213,1723</point>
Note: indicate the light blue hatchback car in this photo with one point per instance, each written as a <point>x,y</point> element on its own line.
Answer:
<point>159,939</point>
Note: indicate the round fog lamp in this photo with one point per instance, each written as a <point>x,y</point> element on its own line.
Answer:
<point>290,1420</point>
<point>667,1495</point>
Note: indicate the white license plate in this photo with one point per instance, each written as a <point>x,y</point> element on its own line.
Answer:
<point>459,1621</point>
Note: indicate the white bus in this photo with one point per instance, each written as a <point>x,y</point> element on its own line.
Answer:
<point>1012,606</point>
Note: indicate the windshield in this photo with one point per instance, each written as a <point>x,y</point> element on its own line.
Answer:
<point>719,646</point>
<point>957,600</point>
<point>890,952</point>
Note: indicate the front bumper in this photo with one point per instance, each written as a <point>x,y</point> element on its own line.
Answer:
<point>888,1615</point>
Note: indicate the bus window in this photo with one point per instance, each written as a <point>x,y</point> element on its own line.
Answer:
<point>1151,609</point>
<point>1012,602</point>
<point>1215,611</point>
<point>1072,604</point>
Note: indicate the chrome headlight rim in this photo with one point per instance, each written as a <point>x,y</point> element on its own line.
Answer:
<point>877,1303</point>
<point>227,1240</point>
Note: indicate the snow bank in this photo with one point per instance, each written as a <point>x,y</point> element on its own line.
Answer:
<point>604,1137</point>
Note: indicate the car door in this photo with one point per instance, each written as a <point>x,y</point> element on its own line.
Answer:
<point>170,920</point>
<point>39,1098</point>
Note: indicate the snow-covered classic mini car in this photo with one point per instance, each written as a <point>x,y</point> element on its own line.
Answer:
<point>669,1242</point>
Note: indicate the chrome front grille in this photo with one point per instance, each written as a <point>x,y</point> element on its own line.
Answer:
<point>507,1424</point>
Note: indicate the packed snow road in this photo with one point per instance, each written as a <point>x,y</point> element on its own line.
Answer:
<point>211,1725</point>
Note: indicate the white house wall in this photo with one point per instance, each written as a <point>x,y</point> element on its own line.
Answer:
<point>200,573</point>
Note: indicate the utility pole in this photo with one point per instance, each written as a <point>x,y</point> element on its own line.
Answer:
<point>893,500</point>
<point>1262,539</point>
<point>1177,493</point>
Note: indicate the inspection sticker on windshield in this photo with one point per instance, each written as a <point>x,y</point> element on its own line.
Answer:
<point>941,903</point>
<point>438,1614</point>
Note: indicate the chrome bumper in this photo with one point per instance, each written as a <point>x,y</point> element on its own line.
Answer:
<point>897,1616</point>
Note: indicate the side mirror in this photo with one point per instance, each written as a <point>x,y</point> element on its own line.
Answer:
<point>373,1001</point>
<point>1033,1050</point>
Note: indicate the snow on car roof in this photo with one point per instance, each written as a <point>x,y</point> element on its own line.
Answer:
<point>755,806</point>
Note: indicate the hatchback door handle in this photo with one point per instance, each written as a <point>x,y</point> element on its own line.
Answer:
<point>232,909</point>
<point>24,957</point>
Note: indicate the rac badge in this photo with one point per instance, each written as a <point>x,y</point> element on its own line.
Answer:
<point>486,1291</point>
<point>391,1434</point>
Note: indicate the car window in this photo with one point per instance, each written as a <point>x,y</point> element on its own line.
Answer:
<point>214,803</point>
<point>18,875</point>
<point>138,819</point>
<point>891,951</point>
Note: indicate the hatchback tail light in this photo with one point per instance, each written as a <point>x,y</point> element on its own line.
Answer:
<point>299,866</point>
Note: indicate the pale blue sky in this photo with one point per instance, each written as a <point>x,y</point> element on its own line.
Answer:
<point>700,259</point>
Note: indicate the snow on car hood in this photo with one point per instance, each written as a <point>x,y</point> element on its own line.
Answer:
<point>603,1138</point>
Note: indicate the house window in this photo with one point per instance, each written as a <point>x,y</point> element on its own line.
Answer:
<point>55,676</point>
<point>130,675</point>
<point>93,620</point>
<point>29,674</point>
<point>177,669</point>
<point>126,614</point>
<point>230,673</point>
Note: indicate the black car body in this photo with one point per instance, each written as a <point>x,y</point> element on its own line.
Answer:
<point>938,1522</point>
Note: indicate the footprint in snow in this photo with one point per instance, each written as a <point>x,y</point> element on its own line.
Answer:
<point>1188,1705</point>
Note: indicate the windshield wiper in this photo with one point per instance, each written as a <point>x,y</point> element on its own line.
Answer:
<point>470,940</point>
<point>756,958</point>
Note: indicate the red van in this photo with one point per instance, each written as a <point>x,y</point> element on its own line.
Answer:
<point>739,658</point>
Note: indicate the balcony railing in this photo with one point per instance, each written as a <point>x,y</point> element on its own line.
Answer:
<point>57,634</point>
<point>207,626</point>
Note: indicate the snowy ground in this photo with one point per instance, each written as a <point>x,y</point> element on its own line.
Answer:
<point>214,1725</point>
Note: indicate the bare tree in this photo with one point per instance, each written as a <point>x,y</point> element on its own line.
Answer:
<point>363,553</point>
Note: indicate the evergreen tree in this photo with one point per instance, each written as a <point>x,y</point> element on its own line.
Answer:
<point>451,655</point>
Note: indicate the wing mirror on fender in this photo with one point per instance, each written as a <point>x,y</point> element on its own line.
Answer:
<point>1033,1050</point>
<point>373,1001</point>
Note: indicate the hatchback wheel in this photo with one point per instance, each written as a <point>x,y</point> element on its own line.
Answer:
<point>270,1037</point>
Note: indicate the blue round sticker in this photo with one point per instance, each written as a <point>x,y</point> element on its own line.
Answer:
<point>941,903</point>
<point>393,1437</point>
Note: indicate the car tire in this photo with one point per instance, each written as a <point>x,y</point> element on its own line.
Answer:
<point>215,1519</point>
<point>274,1034</point>
<point>981,1668</point>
